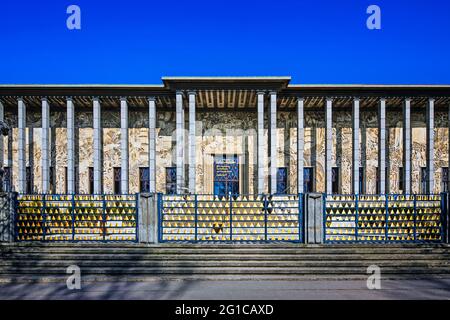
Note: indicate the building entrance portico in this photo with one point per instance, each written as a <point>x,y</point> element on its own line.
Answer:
<point>286,138</point>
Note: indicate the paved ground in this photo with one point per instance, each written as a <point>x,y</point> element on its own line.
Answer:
<point>319,289</point>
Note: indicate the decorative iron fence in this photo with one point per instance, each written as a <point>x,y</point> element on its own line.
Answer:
<point>198,218</point>
<point>53,217</point>
<point>383,218</point>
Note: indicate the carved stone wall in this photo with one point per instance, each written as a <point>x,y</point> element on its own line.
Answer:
<point>212,130</point>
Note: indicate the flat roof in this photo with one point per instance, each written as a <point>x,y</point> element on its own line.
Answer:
<point>225,90</point>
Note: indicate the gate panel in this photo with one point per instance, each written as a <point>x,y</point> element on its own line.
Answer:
<point>77,218</point>
<point>383,218</point>
<point>235,218</point>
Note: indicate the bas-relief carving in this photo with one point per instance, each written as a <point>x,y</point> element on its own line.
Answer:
<point>342,148</point>
<point>165,147</point>
<point>138,156</point>
<point>394,147</point>
<point>315,146</point>
<point>111,157</point>
<point>213,126</point>
<point>369,149</point>
<point>441,145</point>
<point>314,151</point>
<point>86,157</point>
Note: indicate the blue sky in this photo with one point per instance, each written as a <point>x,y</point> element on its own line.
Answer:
<point>138,41</point>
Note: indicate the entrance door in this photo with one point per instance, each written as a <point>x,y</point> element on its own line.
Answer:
<point>226,175</point>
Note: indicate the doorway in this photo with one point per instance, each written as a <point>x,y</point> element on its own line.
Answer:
<point>226,175</point>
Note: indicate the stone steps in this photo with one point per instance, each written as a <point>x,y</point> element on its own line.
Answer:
<point>220,263</point>
<point>48,262</point>
<point>225,257</point>
<point>225,249</point>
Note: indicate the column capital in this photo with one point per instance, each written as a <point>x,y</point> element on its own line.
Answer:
<point>44,99</point>
<point>96,99</point>
<point>69,98</point>
<point>272,92</point>
<point>431,99</point>
<point>329,99</point>
<point>259,92</point>
<point>123,99</point>
<point>192,92</point>
<point>356,99</point>
<point>300,99</point>
<point>151,98</point>
<point>179,92</point>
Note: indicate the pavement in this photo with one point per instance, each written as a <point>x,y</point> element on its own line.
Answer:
<point>230,290</point>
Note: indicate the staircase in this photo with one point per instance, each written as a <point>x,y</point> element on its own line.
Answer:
<point>48,262</point>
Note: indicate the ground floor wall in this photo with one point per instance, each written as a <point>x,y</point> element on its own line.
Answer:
<point>232,133</point>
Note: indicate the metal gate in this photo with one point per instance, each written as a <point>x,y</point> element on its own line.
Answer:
<point>53,217</point>
<point>384,218</point>
<point>199,218</point>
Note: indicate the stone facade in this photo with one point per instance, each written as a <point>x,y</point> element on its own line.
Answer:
<point>225,132</point>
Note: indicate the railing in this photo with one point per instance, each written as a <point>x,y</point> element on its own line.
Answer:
<point>383,218</point>
<point>53,217</point>
<point>198,218</point>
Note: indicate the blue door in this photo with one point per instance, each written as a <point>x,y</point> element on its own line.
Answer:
<point>226,175</point>
<point>282,181</point>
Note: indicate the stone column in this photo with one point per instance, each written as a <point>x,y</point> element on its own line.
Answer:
<point>300,145</point>
<point>328,146</point>
<point>261,156</point>
<point>70,146</point>
<point>152,143</point>
<point>356,146</point>
<point>430,145</point>
<point>45,164</point>
<point>21,145</point>
<point>192,143</point>
<point>382,145</point>
<point>124,145</point>
<point>180,141</point>
<point>407,146</point>
<point>273,142</point>
<point>97,147</point>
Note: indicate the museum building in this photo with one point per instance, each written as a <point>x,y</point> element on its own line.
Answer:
<point>222,135</point>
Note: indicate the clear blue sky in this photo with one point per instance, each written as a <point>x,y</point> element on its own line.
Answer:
<point>138,41</point>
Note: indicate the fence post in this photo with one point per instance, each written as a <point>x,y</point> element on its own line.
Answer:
<point>103,217</point>
<point>445,219</point>
<point>356,216</point>
<point>136,217</point>
<point>300,220</point>
<point>8,213</point>
<point>415,218</point>
<point>148,220</point>
<point>73,217</point>
<point>231,218</point>
<point>386,222</point>
<point>314,222</point>
<point>196,218</point>
<point>44,213</point>
<point>265,216</point>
